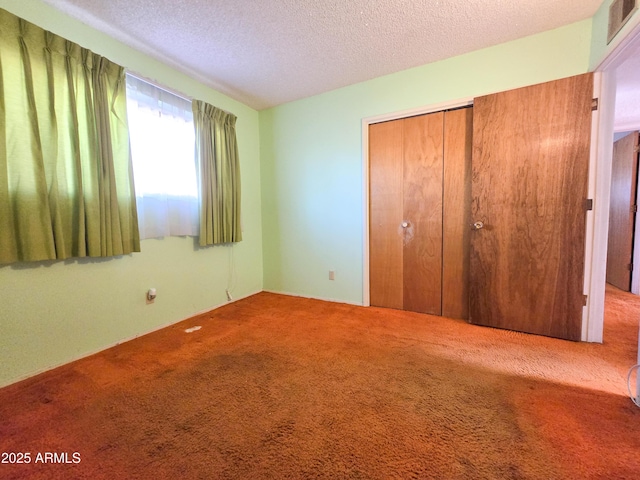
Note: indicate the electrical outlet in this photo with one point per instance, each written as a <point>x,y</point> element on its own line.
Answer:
<point>151,295</point>
<point>332,275</point>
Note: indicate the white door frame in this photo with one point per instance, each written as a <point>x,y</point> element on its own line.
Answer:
<point>602,147</point>
<point>595,265</point>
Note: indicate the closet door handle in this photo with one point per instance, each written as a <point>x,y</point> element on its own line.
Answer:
<point>478,226</point>
<point>404,224</point>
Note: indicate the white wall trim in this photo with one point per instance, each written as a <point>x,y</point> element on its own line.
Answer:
<point>412,112</point>
<point>627,126</point>
<point>438,107</point>
<point>366,291</point>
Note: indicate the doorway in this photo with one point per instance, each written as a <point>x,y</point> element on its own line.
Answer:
<point>621,308</point>
<point>622,272</point>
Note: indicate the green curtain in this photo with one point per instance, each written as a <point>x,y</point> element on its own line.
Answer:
<point>66,181</point>
<point>219,174</point>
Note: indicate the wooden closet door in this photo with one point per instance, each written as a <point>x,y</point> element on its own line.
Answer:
<point>405,207</point>
<point>624,174</point>
<point>530,169</point>
<point>422,236</point>
<point>456,212</point>
<point>385,214</point>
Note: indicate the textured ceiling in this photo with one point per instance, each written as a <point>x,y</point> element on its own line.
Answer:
<point>268,52</point>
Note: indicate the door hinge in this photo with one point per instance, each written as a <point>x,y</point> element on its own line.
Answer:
<point>594,104</point>
<point>630,267</point>
<point>588,204</point>
<point>584,300</point>
<point>634,208</point>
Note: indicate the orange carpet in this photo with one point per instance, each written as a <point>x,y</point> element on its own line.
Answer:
<point>281,387</point>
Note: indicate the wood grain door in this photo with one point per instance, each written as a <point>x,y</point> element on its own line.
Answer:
<point>529,185</point>
<point>456,212</point>
<point>420,171</point>
<point>405,240</point>
<point>386,184</point>
<point>624,176</point>
<point>422,213</point>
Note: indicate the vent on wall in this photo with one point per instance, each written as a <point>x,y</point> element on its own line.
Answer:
<point>620,12</point>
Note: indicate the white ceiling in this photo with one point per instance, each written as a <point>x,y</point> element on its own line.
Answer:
<point>268,52</point>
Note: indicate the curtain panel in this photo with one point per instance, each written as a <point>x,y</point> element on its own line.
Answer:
<point>66,181</point>
<point>219,174</point>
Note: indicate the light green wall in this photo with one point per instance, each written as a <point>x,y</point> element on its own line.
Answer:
<point>599,48</point>
<point>311,153</point>
<point>54,312</point>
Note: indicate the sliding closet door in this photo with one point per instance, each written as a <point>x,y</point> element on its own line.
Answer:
<point>530,169</point>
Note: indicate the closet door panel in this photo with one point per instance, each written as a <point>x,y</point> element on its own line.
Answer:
<point>385,215</point>
<point>530,168</point>
<point>422,235</point>
<point>458,130</point>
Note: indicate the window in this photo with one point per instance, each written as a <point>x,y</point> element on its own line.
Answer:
<point>163,152</point>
